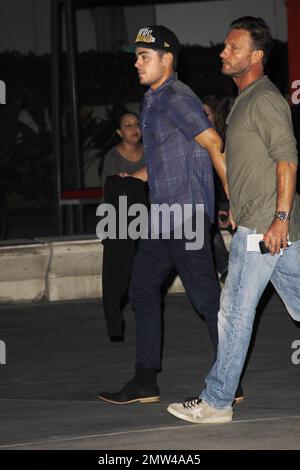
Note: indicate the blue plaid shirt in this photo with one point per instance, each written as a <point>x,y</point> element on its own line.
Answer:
<point>179,169</point>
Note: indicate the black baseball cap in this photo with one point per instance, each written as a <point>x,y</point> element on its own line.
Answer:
<point>156,37</point>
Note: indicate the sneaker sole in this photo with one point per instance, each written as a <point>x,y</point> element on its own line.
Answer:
<point>135,400</point>
<point>220,420</point>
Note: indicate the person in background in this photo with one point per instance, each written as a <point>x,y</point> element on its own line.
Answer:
<point>214,111</point>
<point>127,155</point>
<point>118,255</point>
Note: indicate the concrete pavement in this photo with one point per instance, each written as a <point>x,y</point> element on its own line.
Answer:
<point>58,358</point>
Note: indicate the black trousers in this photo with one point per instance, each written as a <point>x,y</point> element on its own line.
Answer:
<point>116,272</point>
<point>153,262</point>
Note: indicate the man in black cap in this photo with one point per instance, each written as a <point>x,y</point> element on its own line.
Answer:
<point>180,145</point>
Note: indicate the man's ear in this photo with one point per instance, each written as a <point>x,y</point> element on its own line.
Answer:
<point>257,56</point>
<point>167,58</point>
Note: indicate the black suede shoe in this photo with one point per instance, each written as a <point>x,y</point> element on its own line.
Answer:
<point>132,392</point>
<point>239,396</point>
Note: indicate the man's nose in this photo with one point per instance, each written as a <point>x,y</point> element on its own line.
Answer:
<point>137,63</point>
<point>223,53</point>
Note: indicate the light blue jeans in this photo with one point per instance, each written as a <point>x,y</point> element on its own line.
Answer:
<point>248,275</point>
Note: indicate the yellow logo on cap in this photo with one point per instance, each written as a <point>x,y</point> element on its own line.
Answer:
<point>166,44</point>
<point>145,35</point>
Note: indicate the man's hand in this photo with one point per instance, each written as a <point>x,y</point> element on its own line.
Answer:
<point>277,236</point>
<point>233,225</point>
<point>223,219</point>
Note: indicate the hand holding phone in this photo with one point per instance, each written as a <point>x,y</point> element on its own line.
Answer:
<point>264,249</point>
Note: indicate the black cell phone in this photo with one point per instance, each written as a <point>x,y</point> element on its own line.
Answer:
<point>263,249</point>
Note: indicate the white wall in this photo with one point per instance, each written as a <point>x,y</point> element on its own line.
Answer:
<point>16,25</point>
<point>86,36</point>
<point>136,17</point>
<point>205,22</point>
<point>25,25</point>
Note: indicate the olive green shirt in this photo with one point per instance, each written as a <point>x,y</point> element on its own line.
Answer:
<point>259,134</point>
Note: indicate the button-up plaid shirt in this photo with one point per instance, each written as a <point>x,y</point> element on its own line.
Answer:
<point>179,169</point>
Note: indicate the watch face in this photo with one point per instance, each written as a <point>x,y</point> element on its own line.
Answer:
<point>282,215</point>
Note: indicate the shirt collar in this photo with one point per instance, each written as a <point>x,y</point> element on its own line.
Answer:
<point>172,78</point>
<point>253,84</point>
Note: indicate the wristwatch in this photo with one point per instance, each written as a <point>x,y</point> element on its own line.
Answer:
<point>282,215</point>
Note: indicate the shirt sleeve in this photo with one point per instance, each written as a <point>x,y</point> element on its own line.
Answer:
<point>111,165</point>
<point>272,121</point>
<point>186,113</point>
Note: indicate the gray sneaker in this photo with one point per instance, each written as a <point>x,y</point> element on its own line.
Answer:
<point>198,411</point>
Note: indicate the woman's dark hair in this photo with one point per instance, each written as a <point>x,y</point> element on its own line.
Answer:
<point>259,31</point>
<point>120,116</point>
<point>217,111</point>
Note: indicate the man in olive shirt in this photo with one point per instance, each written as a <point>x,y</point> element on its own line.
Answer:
<point>262,162</point>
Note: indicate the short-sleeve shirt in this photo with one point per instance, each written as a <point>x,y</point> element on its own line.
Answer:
<point>115,163</point>
<point>259,134</point>
<point>179,169</point>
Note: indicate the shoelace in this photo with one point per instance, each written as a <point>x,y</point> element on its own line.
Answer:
<point>191,402</point>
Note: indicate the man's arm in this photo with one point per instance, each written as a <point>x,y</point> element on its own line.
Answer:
<point>277,235</point>
<point>140,174</point>
<point>212,142</point>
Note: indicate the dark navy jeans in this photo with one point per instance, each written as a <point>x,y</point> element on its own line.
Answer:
<point>153,262</point>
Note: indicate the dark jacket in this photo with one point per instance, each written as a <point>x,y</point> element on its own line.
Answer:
<point>118,254</point>
<point>136,192</point>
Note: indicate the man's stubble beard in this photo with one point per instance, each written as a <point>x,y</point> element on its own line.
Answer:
<point>237,74</point>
